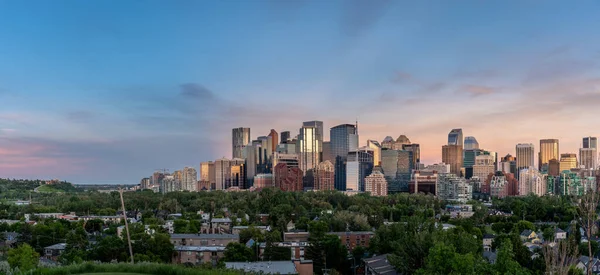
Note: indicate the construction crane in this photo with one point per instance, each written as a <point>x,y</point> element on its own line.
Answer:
<point>164,171</point>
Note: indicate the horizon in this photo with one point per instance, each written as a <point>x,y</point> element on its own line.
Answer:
<point>103,95</point>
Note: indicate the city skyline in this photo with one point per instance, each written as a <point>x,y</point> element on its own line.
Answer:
<point>91,100</point>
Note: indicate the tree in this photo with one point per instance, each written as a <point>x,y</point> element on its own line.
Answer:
<point>557,257</point>
<point>237,252</point>
<point>23,257</point>
<point>443,259</point>
<point>588,217</point>
<point>505,263</point>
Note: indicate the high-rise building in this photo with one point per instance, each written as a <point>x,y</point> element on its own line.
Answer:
<point>484,166</point>
<point>327,151</point>
<point>223,171</point>
<point>343,138</point>
<point>554,168</point>
<point>397,167</point>
<point>469,156</point>
<point>240,138</point>
<point>207,173</point>
<point>587,156</point>
<point>471,143</point>
<point>590,142</point>
<point>568,161</point>
<point>290,159</point>
<point>525,152</point>
<point>453,155</point>
<point>189,179</point>
<point>531,181</point>
<point>453,152</point>
<point>145,183</point>
<point>288,178</point>
<point>376,147</point>
<point>400,142</point>
<point>359,165</point>
<point>237,177</point>
<point>453,188</point>
<point>455,137</point>
<point>440,168</point>
<point>170,185</point>
<point>416,153</point>
<point>548,150</point>
<point>324,176</point>
<point>387,142</point>
<point>508,164</point>
<point>285,137</point>
<point>309,145</point>
<point>274,140</point>
<point>375,183</point>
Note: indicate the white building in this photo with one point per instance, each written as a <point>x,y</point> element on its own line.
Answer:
<point>484,165</point>
<point>531,181</point>
<point>453,188</point>
<point>189,179</point>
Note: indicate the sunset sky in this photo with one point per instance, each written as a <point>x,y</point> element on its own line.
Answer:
<point>109,91</point>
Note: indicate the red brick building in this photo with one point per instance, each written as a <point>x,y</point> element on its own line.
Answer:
<point>324,176</point>
<point>354,239</point>
<point>288,178</point>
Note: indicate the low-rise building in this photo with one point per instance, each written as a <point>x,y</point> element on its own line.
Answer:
<point>297,249</point>
<point>197,255</point>
<point>296,236</point>
<point>54,251</point>
<point>379,265</point>
<point>237,229</point>
<point>354,239</point>
<point>488,239</point>
<point>204,239</point>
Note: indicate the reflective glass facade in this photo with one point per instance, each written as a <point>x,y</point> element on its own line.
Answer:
<point>343,138</point>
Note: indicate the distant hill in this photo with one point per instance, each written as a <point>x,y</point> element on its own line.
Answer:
<point>9,187</point>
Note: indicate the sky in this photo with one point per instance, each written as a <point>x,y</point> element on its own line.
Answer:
<point>109,91</point>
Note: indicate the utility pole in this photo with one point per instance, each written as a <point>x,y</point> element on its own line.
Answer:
<point>126,225</point>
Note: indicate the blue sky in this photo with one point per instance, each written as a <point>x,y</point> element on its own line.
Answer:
<point>108,91</point>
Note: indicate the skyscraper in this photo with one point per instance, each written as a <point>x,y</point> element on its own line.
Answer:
<point>400,142</point>
<point>327,151</point>
<point>387,142</point>
<point>324,176</point>
<point>240,138</point>
<point>548,150</point>
<point>471,143</point>
<point>453,152</point>
<point>524,152</point>
<point>568,161</point>
<point>207,173</point>
<point>274,140</point>
<point>455,137</point>
<point>285,136</point>
<point>484,166</point>
<point>343,139</point>
<point>397,167</point>
<point>589,153</point>
<point>373,144</point>
<point>590,142</point>
<point>310,145</point>
<point>223,171</point>
<point>359,165</point>
<point>416,153</point>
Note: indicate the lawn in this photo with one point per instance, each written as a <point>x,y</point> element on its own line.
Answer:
<point>48,189</point>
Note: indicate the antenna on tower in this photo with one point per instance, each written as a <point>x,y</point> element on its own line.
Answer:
<point>356,125</point>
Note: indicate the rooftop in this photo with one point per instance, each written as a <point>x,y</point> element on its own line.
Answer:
<point>204,236</point>
<point>278,267</point>
<point>199,248</point>
<point>59,246</point>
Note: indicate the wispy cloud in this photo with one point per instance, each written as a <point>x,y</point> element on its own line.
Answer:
<point>476,90</point>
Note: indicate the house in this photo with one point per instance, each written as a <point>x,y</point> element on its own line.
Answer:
<point>295,236</point>
<point>105,219</point>
<point>582,264</point>
<point>54,251</point>
<point>273,267</point>
<point>487,242</point>
<point>560,234</point>
<point>10,238</point>
<point>354,239</point>
<point>263,218</point>
<point>204,239</point>
<point>379,265</point>
<point>221,224</point>
<point>197,255</point>
<point>530,236</point>
<point>490,256</point>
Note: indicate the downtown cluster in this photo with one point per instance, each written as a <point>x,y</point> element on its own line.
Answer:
<point>306,162</point>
